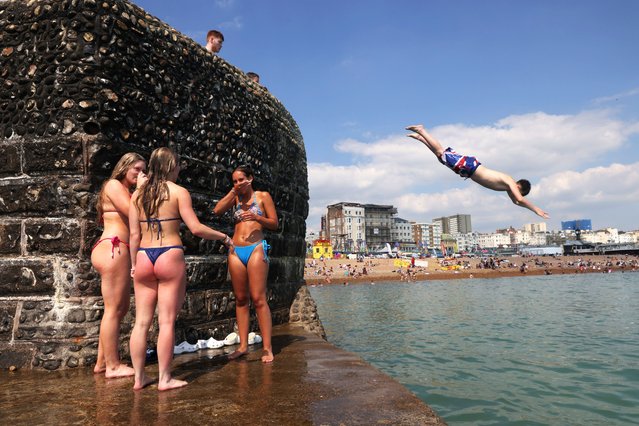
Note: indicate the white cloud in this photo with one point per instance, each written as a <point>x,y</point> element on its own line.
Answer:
<point>236,23</point>
<point>349,124</point>
<point>224,4</point>
<point>560,154</point>
<point>612,98</point>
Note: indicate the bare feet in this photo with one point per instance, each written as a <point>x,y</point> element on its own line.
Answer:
<point>99,369</point>
<point>416,136</point>
<point>268,356</point>
<point>417,128</point>
<point>172,384</point>
<point>142,383</point>
<point>238,353</point>
<point>120,371</point>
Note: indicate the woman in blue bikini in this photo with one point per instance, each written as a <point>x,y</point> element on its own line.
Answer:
<point>157,261</point>
<point>248,263</point>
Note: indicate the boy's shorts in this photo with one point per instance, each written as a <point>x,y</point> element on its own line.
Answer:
<point>463,165</point>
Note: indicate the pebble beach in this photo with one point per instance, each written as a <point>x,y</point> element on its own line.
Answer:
<point>346,271</point>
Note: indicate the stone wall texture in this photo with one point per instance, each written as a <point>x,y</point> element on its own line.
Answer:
<point>81,83</point>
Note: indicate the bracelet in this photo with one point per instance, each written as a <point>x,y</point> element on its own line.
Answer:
<point>233,191</point>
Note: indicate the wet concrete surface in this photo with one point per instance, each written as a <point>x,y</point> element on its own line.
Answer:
<point>311,382</point>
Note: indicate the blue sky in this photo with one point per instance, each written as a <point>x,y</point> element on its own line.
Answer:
<point>546,90</point>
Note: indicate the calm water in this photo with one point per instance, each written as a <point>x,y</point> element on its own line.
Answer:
<point>528,350</point>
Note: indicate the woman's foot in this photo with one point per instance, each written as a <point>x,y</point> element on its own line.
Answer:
<point>267,356</point>
<point>237,354</point>
<point>172,384</point>
<point>99,369</point>
<point>121,370</point>
<point>142,383</point>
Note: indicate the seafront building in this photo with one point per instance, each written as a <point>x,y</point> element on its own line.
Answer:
<point>402,235</point>
<point>346,226</point>
<point>356,227</point>
<point>456,224</point>
<point>427,236</point>
<point>379,221</point>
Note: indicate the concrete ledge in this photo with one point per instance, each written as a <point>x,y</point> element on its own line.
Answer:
<point>311,382</point>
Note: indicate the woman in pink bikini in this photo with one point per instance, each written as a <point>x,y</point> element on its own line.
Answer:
<point>248,264</point>
<point>157,261</point>
<point>110,257</point>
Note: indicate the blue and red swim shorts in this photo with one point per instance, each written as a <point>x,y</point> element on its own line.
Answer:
<point>463,165</point>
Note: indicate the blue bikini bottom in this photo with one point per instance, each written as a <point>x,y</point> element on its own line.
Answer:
<point>244,252</point>
<point>155,252</point>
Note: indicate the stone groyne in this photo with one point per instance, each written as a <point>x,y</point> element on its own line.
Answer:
<point>81,83</point>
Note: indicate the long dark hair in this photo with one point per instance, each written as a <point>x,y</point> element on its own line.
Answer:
<point>119,172</point>
<point>155,191</point>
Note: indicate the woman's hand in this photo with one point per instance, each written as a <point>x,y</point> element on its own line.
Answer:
<point>228,242</point>
<point>142,178</point>
<point>241,186</point>
<point>248,216</point>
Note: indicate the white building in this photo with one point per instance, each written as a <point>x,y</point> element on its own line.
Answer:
<point>535,227</point>
<point>493,240</point>
<point>523,237</point>
<point>467,242</point>
<point>628,237</point>
<point>346,226</point>
<point>603,236</point>
<point>402,234</point>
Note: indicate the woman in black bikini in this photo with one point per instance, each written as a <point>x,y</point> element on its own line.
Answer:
<point>248,264</point>
<point>157,259</point>
<point>110,257</point>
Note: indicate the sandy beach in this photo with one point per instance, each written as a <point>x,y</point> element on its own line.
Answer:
<point>340,271</point>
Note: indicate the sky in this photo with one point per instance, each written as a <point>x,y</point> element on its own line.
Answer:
<point>545,90</point>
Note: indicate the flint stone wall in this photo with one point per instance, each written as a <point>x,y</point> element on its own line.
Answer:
<point>81,83</point>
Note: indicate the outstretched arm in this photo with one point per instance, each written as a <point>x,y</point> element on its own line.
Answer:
<point>185,205</point>
<point>521,201</point>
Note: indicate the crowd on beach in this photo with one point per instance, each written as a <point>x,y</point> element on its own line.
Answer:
<point>328,273</point>
<point>331,271</point>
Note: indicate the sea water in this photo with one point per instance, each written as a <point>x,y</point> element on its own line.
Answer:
<point>547,350</point>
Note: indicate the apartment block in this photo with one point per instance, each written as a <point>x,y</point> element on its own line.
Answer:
<point>456,224</point>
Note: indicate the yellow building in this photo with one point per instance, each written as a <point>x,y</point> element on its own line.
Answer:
<point>322,248</point>
<point>449,244</point>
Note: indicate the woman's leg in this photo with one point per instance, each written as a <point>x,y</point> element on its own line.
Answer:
<point>116,291</point>
<point>170,270</point>
<point>146,294</point>
<point>239,279</point>
<point>257,276</point>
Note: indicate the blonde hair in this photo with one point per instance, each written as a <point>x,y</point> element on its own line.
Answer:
<point>155,190</point>
<point>119,172</point>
